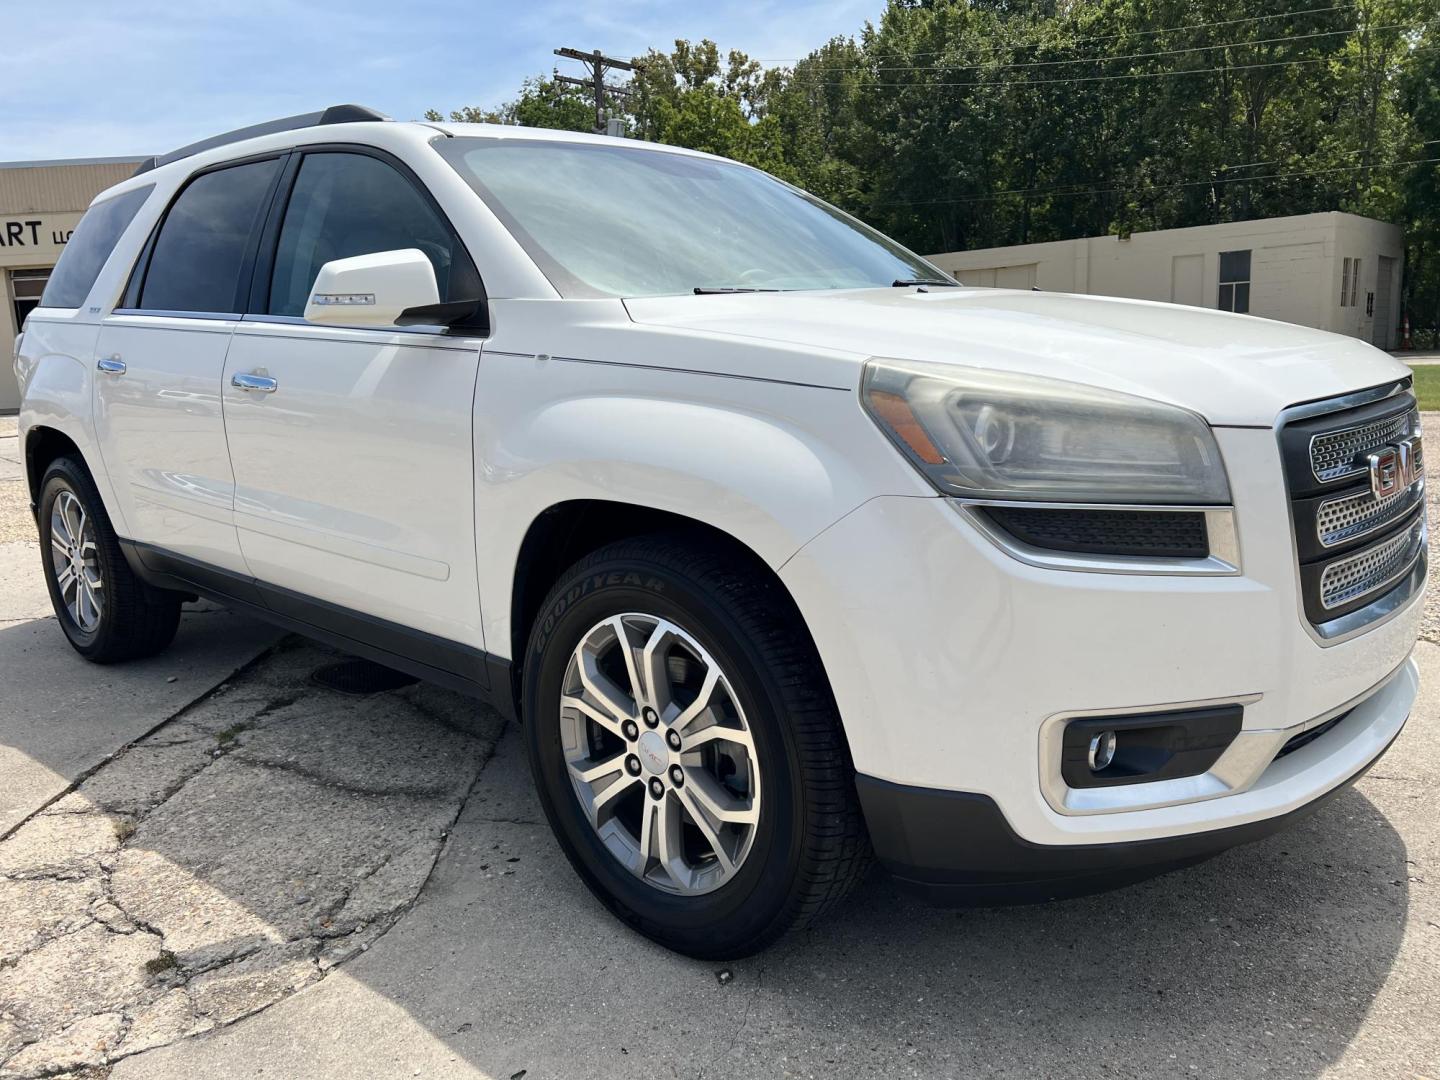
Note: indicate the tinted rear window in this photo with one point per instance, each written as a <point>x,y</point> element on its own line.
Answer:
<point>205,240</point>
<point>90,246</point>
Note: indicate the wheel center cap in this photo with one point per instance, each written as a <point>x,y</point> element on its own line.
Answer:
<point>652,752</point>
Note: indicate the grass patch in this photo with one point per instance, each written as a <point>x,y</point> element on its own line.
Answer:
<point>1427,386</point>
<point>230,734</point>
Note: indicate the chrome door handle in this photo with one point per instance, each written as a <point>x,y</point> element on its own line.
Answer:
<point>262,383</point>
<point>111,365</point>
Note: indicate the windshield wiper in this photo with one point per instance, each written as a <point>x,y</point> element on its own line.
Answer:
<point>707,290</point>
<point>900,283</point>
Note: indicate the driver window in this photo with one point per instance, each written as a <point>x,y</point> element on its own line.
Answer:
<point>353,204</point>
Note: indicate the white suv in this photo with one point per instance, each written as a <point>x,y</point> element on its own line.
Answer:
<point>781,545</point>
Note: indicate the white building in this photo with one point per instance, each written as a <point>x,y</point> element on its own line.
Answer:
<point>40,203</point>
<point>1332,271</point>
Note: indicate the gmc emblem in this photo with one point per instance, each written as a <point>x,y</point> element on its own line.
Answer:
<point>1395,467</point>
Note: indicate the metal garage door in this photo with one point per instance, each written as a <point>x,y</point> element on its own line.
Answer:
<point>1384,321</point>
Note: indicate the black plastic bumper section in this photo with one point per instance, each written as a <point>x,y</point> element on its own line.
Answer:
<point>956,847</point>
<point>1149,746</point>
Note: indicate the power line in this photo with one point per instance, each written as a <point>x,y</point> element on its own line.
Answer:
<point>1040,192</point>
<point>927,85</point>
<point>1135,56</point>
<point>598,64</point>
<point>1124,33</point>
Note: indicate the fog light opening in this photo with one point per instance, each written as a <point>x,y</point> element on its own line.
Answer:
<point>1102,751</point>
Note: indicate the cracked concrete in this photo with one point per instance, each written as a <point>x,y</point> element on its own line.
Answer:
<point>63,717</point>
<point>272,831</point>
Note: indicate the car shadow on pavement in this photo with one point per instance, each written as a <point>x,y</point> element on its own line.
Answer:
<point>1264,960</point>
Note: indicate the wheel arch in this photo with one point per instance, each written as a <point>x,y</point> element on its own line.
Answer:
<point>564,533</point>
<point>43,444</point>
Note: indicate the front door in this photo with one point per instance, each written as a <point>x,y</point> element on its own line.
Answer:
<point>352,447</point>
<point>161,359</point>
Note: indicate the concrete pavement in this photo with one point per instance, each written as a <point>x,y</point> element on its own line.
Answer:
<point>1313,953</point>
<point>273,830</point>
<point>60,716</point>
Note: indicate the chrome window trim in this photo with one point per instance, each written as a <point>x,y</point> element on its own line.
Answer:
<point>162,313</point>
<point>290,327</point>
<point>435,330</point>
<point>1237,770</point>
<point>1397,600</point>
<point>1221,531</point>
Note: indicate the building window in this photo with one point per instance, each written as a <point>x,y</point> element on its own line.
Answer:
<point>1235,281</point>
<point>25,289</point>
<point>1349,282</point>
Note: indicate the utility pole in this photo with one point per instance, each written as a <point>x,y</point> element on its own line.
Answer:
<point>598,63</point>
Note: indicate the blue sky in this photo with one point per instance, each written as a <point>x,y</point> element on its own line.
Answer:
<point>91,78</point>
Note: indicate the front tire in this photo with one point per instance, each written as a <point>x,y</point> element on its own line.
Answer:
<point>107,613</point>
<point>687,749</point>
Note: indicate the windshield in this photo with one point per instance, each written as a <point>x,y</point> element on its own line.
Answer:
<point>626,221</point>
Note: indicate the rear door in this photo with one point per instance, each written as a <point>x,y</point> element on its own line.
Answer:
<point>161,358</point>
<point>354,462</point>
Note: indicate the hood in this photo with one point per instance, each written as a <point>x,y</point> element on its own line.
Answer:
<point>1232,369</point>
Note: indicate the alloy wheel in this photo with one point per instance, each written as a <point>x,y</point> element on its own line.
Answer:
<point>659,753</point>
<point>75,562</point>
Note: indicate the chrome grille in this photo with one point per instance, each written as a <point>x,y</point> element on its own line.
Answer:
<point>1349,579</point>
<point>1334,454</point>
<point>1352,516</point>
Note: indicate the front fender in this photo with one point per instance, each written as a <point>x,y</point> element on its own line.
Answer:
<point>771,465</point>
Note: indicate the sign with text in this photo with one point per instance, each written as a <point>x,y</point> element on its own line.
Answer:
<point>28,235</point>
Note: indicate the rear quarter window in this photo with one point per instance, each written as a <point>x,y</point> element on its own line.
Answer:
<point>90,246</point>
<point>207,235</point>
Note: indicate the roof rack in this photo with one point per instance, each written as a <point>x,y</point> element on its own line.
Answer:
<point>335,114</point>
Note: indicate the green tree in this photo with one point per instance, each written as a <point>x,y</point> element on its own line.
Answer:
<point>973,123</point>
<point>542,103</point>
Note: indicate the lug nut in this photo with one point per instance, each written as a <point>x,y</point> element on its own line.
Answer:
<point>657,789</point>
<point>677,775</point>
<point>651,716</point>
<point>632,765</point>
<point>631,730</point>
<point>673,738</point>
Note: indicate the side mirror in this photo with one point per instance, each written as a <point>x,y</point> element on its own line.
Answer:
<point>385,288</point>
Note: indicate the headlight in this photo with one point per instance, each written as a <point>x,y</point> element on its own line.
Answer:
<point>991,435</point>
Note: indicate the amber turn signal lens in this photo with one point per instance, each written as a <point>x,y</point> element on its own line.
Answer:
<point>895,412</point>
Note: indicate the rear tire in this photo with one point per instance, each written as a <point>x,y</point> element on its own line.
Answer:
<point>786,840</point>
<point>108,614</point>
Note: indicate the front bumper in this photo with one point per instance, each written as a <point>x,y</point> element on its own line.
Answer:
<point>956,846</point>
<point>951,660</point>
